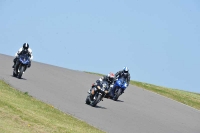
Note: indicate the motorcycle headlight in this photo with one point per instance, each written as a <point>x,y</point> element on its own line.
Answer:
<point>104,85</point>
<point>103,89</point>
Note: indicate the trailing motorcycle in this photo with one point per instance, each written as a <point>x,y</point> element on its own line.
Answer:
<point>101,90</point>
<point>119,87</point>
<point>21,66</point>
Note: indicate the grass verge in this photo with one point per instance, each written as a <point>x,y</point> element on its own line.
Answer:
<point>185,97</point>
<point>21,113</point>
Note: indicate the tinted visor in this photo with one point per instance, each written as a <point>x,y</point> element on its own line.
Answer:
<point>25,48</point>
<point>125,73</point>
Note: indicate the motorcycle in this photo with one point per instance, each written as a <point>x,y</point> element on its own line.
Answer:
<point>100,91</point>
<point>119,87</point>
<point>23,63</point>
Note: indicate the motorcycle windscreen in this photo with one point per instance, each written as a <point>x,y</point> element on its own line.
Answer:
<point>24,59</point>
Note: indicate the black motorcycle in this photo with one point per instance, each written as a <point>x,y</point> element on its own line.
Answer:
<point>22,64</point>
<point>100,91</point>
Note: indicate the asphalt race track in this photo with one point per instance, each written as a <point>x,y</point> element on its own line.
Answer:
<point>137,111</point>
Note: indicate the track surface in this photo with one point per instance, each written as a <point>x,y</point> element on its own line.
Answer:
<point>138,111</point>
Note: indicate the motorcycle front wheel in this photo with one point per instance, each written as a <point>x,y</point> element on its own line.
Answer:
<point>21,72</point>
<point>97,100</point>
<point>117,94</point>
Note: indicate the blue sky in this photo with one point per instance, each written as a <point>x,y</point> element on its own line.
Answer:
<point>158,40</point>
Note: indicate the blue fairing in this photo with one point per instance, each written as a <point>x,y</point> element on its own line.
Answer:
<point>120,83</point>
<point>24,59</point>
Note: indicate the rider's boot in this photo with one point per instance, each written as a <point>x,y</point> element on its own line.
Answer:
<point>13,65</point>
<point>14,60</point>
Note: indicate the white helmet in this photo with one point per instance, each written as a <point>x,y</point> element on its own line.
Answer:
<point>125,71</point>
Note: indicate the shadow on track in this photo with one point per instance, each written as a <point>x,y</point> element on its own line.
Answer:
<point>100,107</point>
<point>113,100</point>
<point>17,78</point>
<point>119,101</point>
<point>96,106</point>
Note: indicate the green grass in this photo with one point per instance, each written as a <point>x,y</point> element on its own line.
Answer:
<point>21,113</point>
<point>185,97</point>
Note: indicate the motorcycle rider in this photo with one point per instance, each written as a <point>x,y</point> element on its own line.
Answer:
<point>25,49</point>
<point>110,78</point>
<point>122,73</point>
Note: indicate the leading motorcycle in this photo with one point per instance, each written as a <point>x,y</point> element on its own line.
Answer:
<point>21,66</point>
<point>101,90</point>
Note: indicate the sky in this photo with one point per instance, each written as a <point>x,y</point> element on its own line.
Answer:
<point>159,41</point>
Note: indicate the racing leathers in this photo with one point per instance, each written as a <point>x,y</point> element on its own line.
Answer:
<point>127,76</point>
<point>99,81</point>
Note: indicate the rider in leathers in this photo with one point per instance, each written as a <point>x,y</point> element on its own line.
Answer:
<point>109,78</point>
<point>24,49</point>
<point>123,73</point>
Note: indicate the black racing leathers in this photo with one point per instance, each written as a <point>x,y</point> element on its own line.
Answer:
<point>106,78</point>
<point>126,76</point>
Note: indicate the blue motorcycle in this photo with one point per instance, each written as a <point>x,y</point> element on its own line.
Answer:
<point>23,63</point>
<point>119,87</point>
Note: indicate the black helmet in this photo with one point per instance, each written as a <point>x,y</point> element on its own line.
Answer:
<point>26,46</point>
